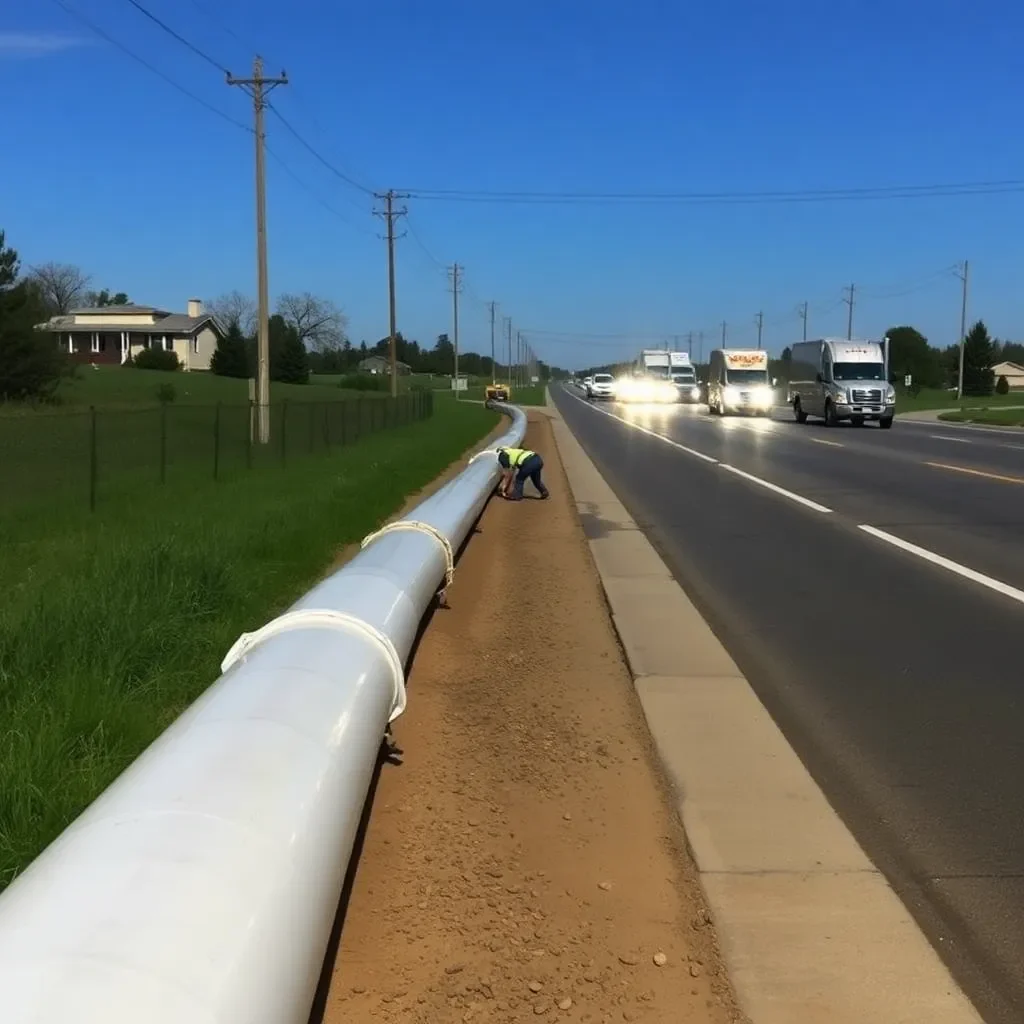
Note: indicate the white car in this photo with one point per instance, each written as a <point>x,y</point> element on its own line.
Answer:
<point>602,386</point>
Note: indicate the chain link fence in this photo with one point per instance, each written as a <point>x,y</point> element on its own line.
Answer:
<point>79,458</point>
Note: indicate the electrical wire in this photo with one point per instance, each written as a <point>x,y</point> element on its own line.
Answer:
<point>888,192</point>
<point>104,35</point>
<point>315,153</point>
<point>176,35</point>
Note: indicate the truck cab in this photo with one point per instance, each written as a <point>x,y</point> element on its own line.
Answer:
<point>738,381</point>
<point>840,380</point>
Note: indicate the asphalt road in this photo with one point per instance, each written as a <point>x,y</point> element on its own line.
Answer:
<point>895,671</point>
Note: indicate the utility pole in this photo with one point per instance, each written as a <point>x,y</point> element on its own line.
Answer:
<point>963,275</point>
<point>700,349</point>
<point>803,316</point>
<point>724,329</point>
<point>508,324</point>
<point>258,87</point>
<point>849,320</point>
<point>390,215</point>
<point>519,359</point>
<point>760,327</point>
<point>455,323</point>
<point>494,368</point>
<point>689,344</point>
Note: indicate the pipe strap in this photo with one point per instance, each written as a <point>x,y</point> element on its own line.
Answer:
<point>420,527</point>
<point>325,618</point>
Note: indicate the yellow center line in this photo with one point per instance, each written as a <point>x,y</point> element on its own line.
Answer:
<point>978,472</point>
<point>831,444</point>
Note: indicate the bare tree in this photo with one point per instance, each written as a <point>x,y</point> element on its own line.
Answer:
<point>319,323</point>
<point>62,286</point>
<point>235,308</point>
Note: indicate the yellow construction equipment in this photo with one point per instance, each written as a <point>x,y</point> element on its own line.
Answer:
<point>496,393</point>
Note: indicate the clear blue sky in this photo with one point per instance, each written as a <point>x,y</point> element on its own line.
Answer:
<point>152,194</point>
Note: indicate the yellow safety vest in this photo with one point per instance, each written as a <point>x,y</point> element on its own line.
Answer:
<point>517,456</point>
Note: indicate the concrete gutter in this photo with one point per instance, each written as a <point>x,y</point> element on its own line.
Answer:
<point>810,929</point>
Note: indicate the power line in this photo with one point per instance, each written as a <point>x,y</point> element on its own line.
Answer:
<point>104,35</point>
<point>180,38</point>
<point>315,153</point>
<point>887,192</point>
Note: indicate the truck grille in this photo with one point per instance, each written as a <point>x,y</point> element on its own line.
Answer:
<point>865,396</point>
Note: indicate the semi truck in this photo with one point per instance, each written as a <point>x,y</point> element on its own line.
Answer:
<point>837,379</point>
<point>660,375</point>
<point>738,381</point>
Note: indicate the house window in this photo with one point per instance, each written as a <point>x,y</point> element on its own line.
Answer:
<point>195,342</point>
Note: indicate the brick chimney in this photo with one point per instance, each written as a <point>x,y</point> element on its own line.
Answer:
<point>195,307</point>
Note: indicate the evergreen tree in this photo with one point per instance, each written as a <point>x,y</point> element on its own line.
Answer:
<point>979,355</point>
<point>289,360</point>
<point>231,359</point>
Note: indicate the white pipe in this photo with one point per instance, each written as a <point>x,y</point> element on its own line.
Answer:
<point>201,887</point>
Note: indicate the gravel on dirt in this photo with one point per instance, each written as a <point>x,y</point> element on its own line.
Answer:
<point>524,860</point>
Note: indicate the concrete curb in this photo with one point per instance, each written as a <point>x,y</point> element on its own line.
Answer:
<point>810,929</point>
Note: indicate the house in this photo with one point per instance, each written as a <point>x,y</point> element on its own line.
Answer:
<point>110,334</point>
<point>381,364</point>
<point>1013,372</point>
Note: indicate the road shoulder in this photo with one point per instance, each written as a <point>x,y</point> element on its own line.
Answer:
<point>810,929</point>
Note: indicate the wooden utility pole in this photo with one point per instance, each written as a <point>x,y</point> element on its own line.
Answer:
<point>494,368</point>
<point>508,324</point>
<point>803,316</point>
<point>759,320</point>
<point>257,87</point>
<point>849,319</point>
<point>724,330</point>
<point>390,215</point>
<point>963,275</point>
<point>454,272</point>
<point>689,344</point>
<point>700,347</point>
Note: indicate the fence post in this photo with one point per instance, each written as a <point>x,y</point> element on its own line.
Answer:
<point>93,458</point>
<point>284,432</point>
<point>248,437</point>
<point>216,440</point>
<point>312,426</point>
<point>163,442</point>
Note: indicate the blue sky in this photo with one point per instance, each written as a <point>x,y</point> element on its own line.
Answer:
<point>152,193</point>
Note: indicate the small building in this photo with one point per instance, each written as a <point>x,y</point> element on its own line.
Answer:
<point>1013,372</point>
<point>110,334</point>
<point>381,364</point>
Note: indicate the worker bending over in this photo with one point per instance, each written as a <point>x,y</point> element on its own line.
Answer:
<point>519,465</point>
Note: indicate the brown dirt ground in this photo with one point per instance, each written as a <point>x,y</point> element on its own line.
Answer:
<point>525,860</point>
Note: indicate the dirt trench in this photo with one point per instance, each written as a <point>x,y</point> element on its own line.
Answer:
<point>524,861</point>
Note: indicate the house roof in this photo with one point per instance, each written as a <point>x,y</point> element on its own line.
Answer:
<point>169,323</point>
<point>128,307</point>
<point>375,358</point>
<point>1015,367</point>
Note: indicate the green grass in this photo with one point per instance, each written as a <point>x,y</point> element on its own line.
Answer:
<point>998,417</point>
<point>938,399</point>
<point>51,458</point>
<point>528,395</point>
<point>112,624</point>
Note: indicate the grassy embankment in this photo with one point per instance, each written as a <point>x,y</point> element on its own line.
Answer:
<point>995,417</point>
<point>940,399</point>
<point>112,623</point>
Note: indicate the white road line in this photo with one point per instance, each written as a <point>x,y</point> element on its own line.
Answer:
<point>946,563</point>
<point>644,430</point>
<point>945,437</point>
<point>1017,447</point>
<point>821,440</point>
<point>799,499</point>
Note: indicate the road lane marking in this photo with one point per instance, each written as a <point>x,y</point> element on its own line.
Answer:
<point>799,499</point>
<point>946,563</point>
<point>1018,447</point>
<point>648,431</point>
<point>978,472</point>
<point>821,440</point>
<point>946,437</point>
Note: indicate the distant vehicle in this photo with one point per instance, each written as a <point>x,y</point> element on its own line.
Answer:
<point>496,392</point>
<point>602,385</point>
<point>657,367</point>
<point>587,381</point>
<point>738,381</point>
<point>836,380</point>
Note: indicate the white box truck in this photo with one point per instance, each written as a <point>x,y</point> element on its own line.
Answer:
<point>738,381</point>
<point>835,379</point>
<point>659,375</point>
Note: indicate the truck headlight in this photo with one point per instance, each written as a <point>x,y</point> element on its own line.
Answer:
<point>890,396</point>
<point>764,398</point>
<point>731,394</point>
<point>695,392</point>
<point>842,396</point>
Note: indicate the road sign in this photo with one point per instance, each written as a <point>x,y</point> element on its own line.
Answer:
<point>907,381</point>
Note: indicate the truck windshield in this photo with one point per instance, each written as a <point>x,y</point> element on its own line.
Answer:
<point>858,371</point>
<point>684,376</point>
<point>602,378</point>
<point>747,376</point>
<point>659,372</point>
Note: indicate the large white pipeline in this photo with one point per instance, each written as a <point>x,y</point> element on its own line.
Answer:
<point>201,887</point>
